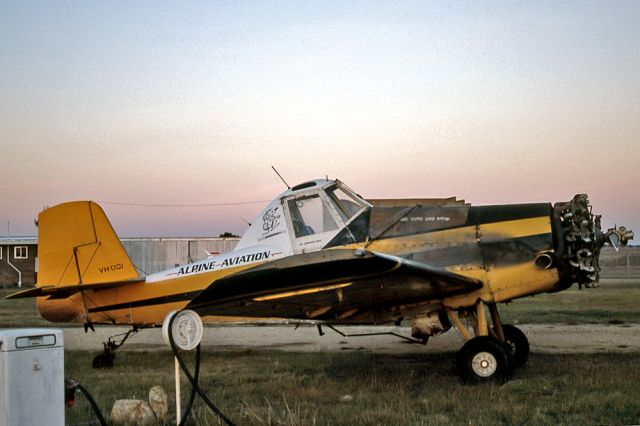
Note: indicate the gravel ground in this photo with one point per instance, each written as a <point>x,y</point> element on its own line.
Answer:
<point>551,338</point>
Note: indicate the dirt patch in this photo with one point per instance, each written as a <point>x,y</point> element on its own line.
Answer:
<point>542,338</point>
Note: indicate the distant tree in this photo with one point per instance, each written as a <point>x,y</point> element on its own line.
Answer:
<point>228,235</point>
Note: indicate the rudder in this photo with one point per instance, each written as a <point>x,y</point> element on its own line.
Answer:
<point>77,245</point>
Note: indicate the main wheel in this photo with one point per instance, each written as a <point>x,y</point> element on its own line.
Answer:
<point>484,359</point>
<point>518,343</point>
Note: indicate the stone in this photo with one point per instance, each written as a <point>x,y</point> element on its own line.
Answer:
<point>132,411</point>
<point>346,398</point>
<point>159,401</point>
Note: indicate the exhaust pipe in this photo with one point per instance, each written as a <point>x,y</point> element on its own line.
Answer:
<point>544,260</point>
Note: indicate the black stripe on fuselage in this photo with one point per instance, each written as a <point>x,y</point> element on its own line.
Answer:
<point>426,219</point>
<point>492,214</point>
<point>172,298</point>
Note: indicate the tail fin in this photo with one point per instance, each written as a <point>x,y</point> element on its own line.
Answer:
<point>77,245</point>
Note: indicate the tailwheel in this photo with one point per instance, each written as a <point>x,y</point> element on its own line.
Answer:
<point>518,343</point>
<point>484,359</point>
<point>103,360</point>
<point>106,357</point>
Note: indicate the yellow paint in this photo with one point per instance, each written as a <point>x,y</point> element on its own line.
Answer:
<point>77,245</point>
<point>301,292</point>
<point>319,312</point>
<point>141,291</point>
<point>507,283</point>
<point>515,228</point>
<point>419,242</point>
<point>453,316</point>
<point>481,315</point>
<point>70,309</point>
<point>347,314</point>
<point>521,280</point>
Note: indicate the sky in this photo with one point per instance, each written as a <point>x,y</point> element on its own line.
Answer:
<point>190,103</point>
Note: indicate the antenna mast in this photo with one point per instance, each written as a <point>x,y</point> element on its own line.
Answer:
<point>285,182</point>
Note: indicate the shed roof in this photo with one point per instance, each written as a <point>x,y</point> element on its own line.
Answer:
<point>18,241</point>
<point>14,241</point>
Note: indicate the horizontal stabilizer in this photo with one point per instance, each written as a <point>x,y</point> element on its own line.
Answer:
<point>63,292</point>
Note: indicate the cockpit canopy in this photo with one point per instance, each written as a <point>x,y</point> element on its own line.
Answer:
<point>306,217</point>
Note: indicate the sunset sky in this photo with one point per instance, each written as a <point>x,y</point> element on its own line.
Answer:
<point>189,103</point>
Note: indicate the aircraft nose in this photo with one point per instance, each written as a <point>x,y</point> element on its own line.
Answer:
<point>579,241</point>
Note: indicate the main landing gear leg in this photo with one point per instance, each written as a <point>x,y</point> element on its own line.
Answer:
<point>491,354</point>
<point>105,359</point>
<point>512,336</point>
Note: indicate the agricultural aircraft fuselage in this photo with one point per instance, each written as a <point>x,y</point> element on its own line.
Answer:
<point>320,253</point>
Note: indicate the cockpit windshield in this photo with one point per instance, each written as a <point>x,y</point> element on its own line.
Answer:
<point>346,205</point>
<point>309,215</point>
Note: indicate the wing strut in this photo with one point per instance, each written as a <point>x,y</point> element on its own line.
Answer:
<point>387,333</point>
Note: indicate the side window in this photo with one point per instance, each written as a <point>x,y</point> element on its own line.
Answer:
<point>20,252</point>
<point>345,204</point>
<point>310,216</point>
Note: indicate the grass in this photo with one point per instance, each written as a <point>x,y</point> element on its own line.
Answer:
<point>275,388</point>
<point>613,302</point>
<point>288,388</point>
<point>19,312</point>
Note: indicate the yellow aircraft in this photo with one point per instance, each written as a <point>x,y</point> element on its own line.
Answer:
<point>320,253</point>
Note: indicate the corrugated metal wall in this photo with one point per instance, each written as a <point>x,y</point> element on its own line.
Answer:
<point>152,255</point>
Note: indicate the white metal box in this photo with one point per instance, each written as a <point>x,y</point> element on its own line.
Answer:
<point>31,377</point>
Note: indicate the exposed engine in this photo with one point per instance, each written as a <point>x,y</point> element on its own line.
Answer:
<point>579,240</point>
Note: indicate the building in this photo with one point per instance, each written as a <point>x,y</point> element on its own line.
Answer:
<point>18,261</point>
<point>150,255</point>
<point>19,255</point>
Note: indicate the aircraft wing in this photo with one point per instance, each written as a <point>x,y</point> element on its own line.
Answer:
<point>329,285</point>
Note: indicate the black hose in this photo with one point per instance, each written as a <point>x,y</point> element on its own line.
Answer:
<point>193,380</point>
<point>92,402</point>
<point>192,394</point>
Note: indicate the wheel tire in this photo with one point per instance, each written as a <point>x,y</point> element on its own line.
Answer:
<point>518,344</point>
<point>103,360</point>
<point>484,359</point>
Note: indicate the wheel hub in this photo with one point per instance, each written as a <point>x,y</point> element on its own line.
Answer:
<point>484,364</point>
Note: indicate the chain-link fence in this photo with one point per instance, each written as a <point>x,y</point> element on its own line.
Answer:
<point>622,264</point>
